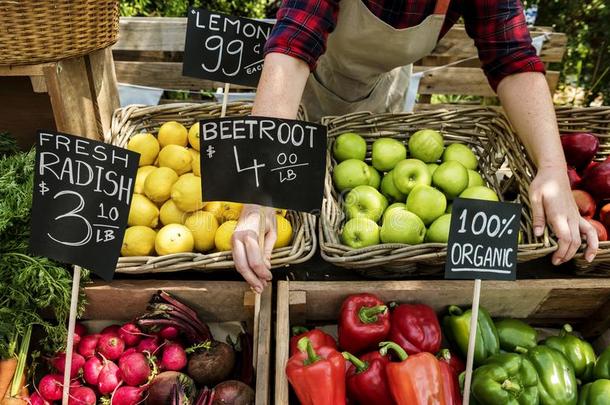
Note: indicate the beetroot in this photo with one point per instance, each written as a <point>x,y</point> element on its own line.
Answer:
<point>130,334</point>
<point>149,345</point>
<point>91,370</point>
<point>59,363</point>
<point>174,357</point>
<point>169,333</point>
<point>88,344</point>
<point>109,378</point>
<point>209,366</point>
<point>111,330</point>
<point>82,396</point>
<point>233,392</point>
<point>37,399</point>
<point>161,386</point>
<point>50,387</point>
<point>134,369</point>
<point>127,396</point>
<point>111,347</point>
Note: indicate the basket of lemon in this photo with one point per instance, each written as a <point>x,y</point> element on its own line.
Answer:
<point>170,228</point>
<point>391,178</point>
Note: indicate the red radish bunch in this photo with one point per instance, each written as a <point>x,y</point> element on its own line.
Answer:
<point>130,334</point>
<point>135,369</point>
<point>174,357</point>
<point>59,363</point>
<point>50,387</point>
<point>110,346</point>
<point>82,396</point>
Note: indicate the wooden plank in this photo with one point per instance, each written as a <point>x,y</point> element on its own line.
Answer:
<point>263,352</point>
<point>282,332</point>
<point>103,86</point>
<point>25,70</point>
<point>39,85</point>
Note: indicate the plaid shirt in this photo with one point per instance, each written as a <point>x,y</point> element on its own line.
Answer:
<point>497,26</point>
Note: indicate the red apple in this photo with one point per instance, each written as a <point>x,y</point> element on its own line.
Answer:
<point>586,203</point>
<point>579,148</point>
<point>604,215</point>
<point>574,178</point>
<point>597,181</point>
<point>590,167</point>
<point>602,233</point>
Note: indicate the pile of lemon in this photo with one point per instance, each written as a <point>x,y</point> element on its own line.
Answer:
<point>167,213</point>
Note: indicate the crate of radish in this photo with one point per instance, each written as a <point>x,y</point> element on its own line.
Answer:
<point>176,343</point>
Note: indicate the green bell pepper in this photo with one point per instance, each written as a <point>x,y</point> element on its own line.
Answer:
<point>595,393</point>
<point>507,379</point>
<point>578,352</point>
<point>602,367</point>
<point>556,380</point>
<point>457,330</point>
<point>514,333</point>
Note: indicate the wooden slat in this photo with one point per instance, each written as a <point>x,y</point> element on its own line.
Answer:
<point>26,70</point>
<point>282,330</point>
<point>103,86</point>
<point>263,349</point>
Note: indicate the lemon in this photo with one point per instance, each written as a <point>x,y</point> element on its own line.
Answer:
<point>142,212</point>
<point>176,157</point>
<point>186,193</point>
<point>284,232</point>
<point>194,135</point>
<point>138,241</point>
<point>174,238</point>
<point>158,184</point>
<point>222,239</point>
<point>172,133</point>
<point>196,163</point>
<point>146,145</point>
<point>171,214</point>
<point>203,226</point>
<point>224,210</point>
<point>143,172</point>
<point>281,212</point>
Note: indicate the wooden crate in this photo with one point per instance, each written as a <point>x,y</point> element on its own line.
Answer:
<point>585,303</point>
<point>214,301</point>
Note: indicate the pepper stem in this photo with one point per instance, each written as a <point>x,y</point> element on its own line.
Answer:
<point>299,330</point>
<point>305,345</point>
<point>360,365</point>
<point>444,354</point>
<point>520,350</point>
<point>511,386</point>
<point>370,314</point>
<point>567,328</point>
<point>400,352</point>
<point>455,310</point>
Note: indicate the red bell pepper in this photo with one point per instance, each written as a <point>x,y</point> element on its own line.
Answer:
<point>366,379</point>
<point>451,367</point>
<point>317,376</point>
<point>416,379</point>
<point>317,337</point>
<point>415,328</point>
<point>364,321</point>
<point>454,361</point>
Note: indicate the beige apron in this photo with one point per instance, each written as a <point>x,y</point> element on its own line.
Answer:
<point>368,63</point>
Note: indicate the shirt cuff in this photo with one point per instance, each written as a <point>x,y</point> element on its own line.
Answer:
<point>517,65</point>
<point>311,62</point>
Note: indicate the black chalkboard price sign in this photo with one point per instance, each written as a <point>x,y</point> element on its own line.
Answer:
<point>273,162</point>
<point>224,48</point>
<point>82,193</point>
<point>483,240</point>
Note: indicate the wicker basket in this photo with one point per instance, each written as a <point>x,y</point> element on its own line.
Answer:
<point>483,129</point>
<point>50,30</point>
<point>131,120</point>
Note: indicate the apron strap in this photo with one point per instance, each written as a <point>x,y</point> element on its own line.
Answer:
<point>441,7</point>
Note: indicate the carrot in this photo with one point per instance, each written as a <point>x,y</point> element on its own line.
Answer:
<point>7,371</point>
<point>18,400</point>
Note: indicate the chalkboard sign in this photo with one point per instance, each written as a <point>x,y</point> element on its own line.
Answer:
<point>274,162</point>
<point>82,192</point>
<point>483,240</point>
<point>224,48</point>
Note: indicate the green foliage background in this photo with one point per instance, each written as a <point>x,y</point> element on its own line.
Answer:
<point>178,8</point>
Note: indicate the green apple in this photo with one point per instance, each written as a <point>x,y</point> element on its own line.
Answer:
<point>389,189</point>
<point>360,232</point>
<point>409,173</point>
<point>391,207</point>
<point>438,232</point>
<point>462,154</point>
<point>387,152</point>
<point>426,145</point>
<point>427,203</point>
<point>366,202</point>
<point>351,173</point>
<point>451,178</point>
<point>375,179</point>
<point>474,179</point>
<point>432,168</point>
<point>349,146</point>
<point>402,226</point>
<point>480,193</point>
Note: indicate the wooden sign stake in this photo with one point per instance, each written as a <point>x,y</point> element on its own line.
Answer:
<point>472,340</point>
<point>225,99</point>
<point>71,326</point>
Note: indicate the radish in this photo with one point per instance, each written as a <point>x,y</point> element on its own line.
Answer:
<point>111,347</point>
<point>134,369</point>
<point>82,396</point>
<point>169,333</point>
<point>109,378</point>
<point>88,344</point>
<point>127,396</point>
<point>130,334</point>
<point>128,352</point>
<point>91,370</point>
<point>50,387</point>
<point>149,345</point>
<point>174,357</point>
<point>111,330</point>
<point>80,329</point>
<point>59,362</point>
<point>37,399</point>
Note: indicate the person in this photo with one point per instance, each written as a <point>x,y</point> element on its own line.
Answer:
<point>341,56</point>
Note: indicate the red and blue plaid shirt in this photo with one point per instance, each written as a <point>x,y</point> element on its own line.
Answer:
<point>497,26</point>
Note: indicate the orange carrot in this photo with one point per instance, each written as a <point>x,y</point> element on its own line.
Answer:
<point>7,371</point>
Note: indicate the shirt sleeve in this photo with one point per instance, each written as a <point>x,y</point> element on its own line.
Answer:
<point>502,38</point>
<point>302,28</point>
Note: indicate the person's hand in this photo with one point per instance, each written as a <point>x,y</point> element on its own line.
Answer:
<point>252,261</point>
<point>552,201</point>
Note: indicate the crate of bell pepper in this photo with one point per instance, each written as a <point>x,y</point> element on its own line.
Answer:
<point>383,349</point>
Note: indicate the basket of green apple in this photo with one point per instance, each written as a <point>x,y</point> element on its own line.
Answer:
<point>391,179</point>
